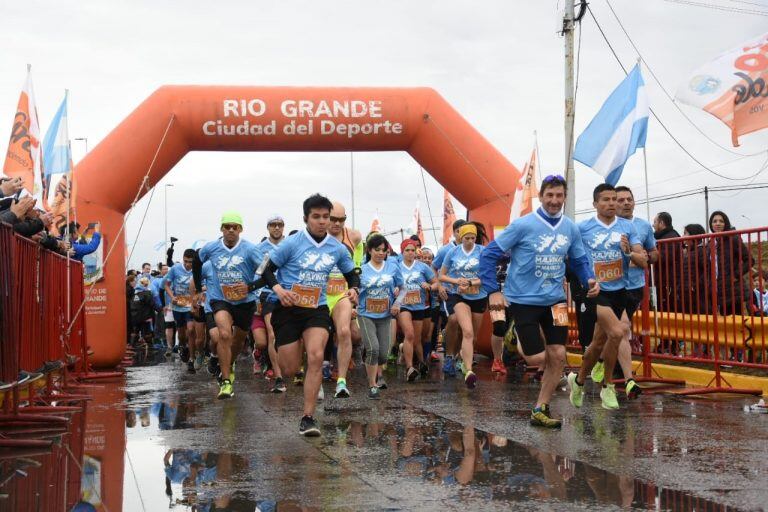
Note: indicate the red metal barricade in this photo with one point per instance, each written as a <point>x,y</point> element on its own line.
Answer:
<point>709,309</point>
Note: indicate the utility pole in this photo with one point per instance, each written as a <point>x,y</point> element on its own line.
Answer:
<point>570,178</point>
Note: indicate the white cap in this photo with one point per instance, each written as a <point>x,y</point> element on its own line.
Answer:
<point>275,218</point>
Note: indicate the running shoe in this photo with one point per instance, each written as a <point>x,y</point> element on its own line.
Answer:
<point>423,369</point>
<point>326,370</point>
<point>541,417</point>
<point>308,427</point>
<point>341,389</point>
<point>279,386</point>
<point>433,357</point>
<point>392,357</point>
<point>412,374</point>
<point>632,389</point>
<point>608,396</point>
<point>321,393</point>
<point>448,367</point>
<point>168,352</point>
<point>184,354</point>
<point>577,391</point>
<point>257,368</point>
<point>598,372</point>
<point>191,367</point>
<point>459,364</point>
<point>199,361</point>
<point>213,365</point>
<point>381,383</point>
<point>498,367</point>
<point>225,390</point>
<point>298,379</point>
<point>269,374</point>
<point>374,393</point>
<point>470,379</point>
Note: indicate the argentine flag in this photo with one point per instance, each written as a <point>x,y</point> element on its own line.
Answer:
<point>618,129</point>
<point>57,153</point>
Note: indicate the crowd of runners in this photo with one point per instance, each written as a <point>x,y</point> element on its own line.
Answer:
<point>324,300</point>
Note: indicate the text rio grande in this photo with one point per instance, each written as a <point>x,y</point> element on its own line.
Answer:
<point>346,118</point>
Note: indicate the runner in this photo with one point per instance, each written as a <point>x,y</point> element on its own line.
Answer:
<point>379,280</point>
<point>499,321</point>
<point>625,208</point>
<point>210,323</point>
<point>468,301</point>
<point>451,335</point>
<point>419,280</point>
<point>177,289</point>
<point>344,327</point>
<point>275,227</point>
<point>305,261</point>
<point>231,293</point>
<point>533,293</point>
<point>611,243</point>
<point>432,317</point>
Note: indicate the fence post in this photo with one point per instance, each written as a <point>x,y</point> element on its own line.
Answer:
<point>713,299</point>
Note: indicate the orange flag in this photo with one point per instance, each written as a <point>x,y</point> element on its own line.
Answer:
<point>526,190</point>
<point>449,217</point>
<point>417,222</point>
<point>375,225</point>
<point>23,156</point>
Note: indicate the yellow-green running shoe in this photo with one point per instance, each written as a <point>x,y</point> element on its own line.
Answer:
<point>225,389</point>
<point>632,389</point>
<point>541,417</point>
<point>598,372</point>
<point>608,396</point>
<point>577,392</point>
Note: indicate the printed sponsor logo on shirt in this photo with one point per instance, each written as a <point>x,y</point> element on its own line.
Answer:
<point>228,261</point>
<point>317,262</point>
<point>605,239</point>
<point>552,242</point>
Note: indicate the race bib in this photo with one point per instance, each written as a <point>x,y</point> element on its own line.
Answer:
<point>412,297</point>
<point>183,301</point>
<point>336,286</point>
<point>377,305</point>
<point>607,271</point>
<point>560,315</point>
<point>231,293</point>
<point>309,296</point>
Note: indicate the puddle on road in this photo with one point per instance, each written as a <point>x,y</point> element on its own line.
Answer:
<point>407,458</point>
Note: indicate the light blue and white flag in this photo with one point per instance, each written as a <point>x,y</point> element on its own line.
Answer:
<point>618,129</point>
<point>57,153</point>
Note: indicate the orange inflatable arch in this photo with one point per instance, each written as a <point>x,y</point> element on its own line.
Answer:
<point>177,119</point>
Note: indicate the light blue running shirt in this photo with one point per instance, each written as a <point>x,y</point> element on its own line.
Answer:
<point>413,278</point>
<point>377,288</point>
<point>230,267</point>
<point>536,270</point>
<point>304,262</point>
<point>462,264</point>
<point>636,275</point>
<point>603,245</point>
<point>179,279</point>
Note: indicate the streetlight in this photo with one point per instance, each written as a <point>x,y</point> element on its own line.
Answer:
<point>165,194</point>
<point>84,139</point>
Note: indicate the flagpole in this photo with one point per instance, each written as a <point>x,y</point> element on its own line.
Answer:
<point>67,235</point>
<point>538,156</point>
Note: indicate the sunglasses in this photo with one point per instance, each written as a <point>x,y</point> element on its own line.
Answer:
<point>230,227</point>
<point>275,225</point>
<point>338,219</point>
<point>553,177</point>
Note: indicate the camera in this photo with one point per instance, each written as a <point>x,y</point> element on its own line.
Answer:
<point>174,239</point>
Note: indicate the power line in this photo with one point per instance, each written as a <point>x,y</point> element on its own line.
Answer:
<point>667,94</point>
<point>661,123</point>
<point>716,7</point>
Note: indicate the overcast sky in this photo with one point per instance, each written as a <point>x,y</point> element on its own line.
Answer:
<point>499,63</point>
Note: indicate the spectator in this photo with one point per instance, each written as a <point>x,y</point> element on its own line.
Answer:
<point>694,296</point>
<point>146,270</point>
<point>141,312</point>
<point>669,260</point>
<point>130,291</point>
<point>760,284</point>
<point>732,266</point>
<point>81,247</point>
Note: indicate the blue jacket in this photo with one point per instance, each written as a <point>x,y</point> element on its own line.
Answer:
<point>82,250</point>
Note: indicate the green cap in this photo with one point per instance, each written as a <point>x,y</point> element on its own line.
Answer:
<point>231,217</point>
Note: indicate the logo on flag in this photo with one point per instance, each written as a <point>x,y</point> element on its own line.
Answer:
<point>618,129</point>
<point>732,88</point>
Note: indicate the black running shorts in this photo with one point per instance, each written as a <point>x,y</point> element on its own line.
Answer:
<point>418,314</point>
<point>475,305</point>
<point>530,321</point>
<point>242,314</point>
<point>616,300</point>
<point>290,323</point>
<point>210,323</point>
<point>634,300</point>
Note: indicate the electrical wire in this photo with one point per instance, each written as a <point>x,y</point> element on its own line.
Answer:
<point>661,123</point>
<point>717,7</point>
<point>667,94</point>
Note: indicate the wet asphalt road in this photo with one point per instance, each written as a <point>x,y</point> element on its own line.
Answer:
<point>431,445</point>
